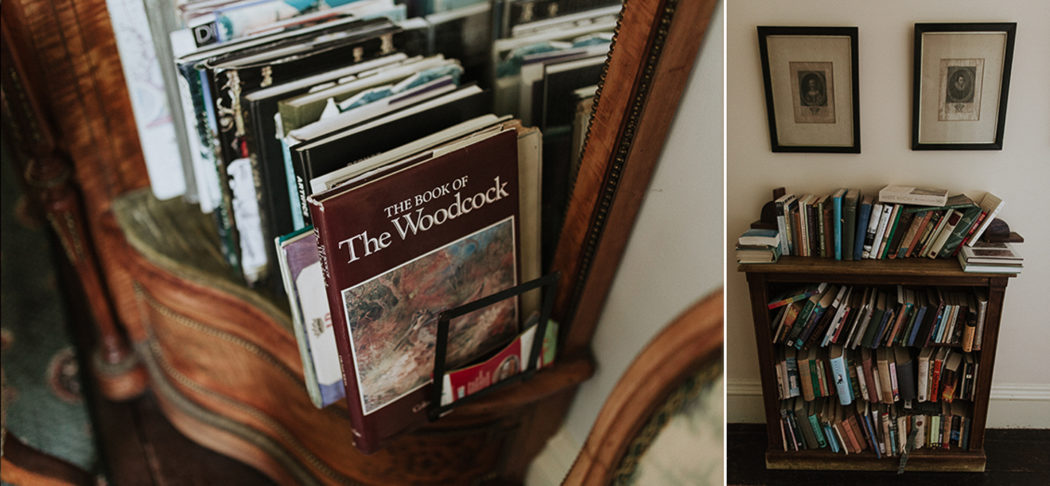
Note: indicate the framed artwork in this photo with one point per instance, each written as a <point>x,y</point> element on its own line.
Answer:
<point>812,99</point>
<point>962,76</point>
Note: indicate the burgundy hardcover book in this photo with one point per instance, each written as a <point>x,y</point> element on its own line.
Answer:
<point>398,248</point>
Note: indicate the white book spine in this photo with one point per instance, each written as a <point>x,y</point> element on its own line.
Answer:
<point>884,220</point>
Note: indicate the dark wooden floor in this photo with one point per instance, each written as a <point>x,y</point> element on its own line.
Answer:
<point>1016,457</point>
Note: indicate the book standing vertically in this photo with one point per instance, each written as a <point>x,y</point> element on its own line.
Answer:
<point>311,319</point>
<point>399,247</point>
<point>990,205</point>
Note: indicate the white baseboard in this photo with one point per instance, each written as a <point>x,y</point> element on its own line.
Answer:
<point>1012,405</point>
<point>553,463</point>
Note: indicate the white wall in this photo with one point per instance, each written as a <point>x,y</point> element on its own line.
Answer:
<point>673,258</point>
<point>1019,174</point>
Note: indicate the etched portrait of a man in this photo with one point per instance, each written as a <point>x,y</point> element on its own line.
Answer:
<point>960,84</point>
<point>813,89</point>
<point>960,89</point>
<point>812,92</point>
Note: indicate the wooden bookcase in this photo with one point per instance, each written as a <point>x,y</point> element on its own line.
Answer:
<point>763,279</point>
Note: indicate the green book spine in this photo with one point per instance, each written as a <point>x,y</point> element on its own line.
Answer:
<point>800,321</point>
<point>817,431</point>
<point>873,327</point>
<point>955,239</point>
<point>891,229</point>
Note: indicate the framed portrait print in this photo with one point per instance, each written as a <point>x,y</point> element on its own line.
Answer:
<point>810,76</point>
<point>962,76</point>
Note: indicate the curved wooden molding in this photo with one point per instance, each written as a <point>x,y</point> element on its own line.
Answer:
<point>652,56</point>
<point>691,340</point>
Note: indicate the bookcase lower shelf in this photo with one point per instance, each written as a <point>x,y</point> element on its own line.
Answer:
<point>919,460</point>
<point>226,371</point>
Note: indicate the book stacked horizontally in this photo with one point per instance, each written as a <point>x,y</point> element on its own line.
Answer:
<point>986,257</point>
<point>901,222</point>
<point>758,246</point>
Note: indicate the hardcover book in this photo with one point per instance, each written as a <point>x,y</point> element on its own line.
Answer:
<point>311,320</point>
<point>991,206</point>
<point>913,195</point>
<point>401,246</point>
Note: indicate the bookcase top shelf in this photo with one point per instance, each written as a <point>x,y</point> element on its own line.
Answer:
<point>912,271</point>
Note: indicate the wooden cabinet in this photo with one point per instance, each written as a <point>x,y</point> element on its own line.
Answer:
<point>765,280</point>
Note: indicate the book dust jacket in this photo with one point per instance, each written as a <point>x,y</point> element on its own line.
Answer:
<point>401,246</point>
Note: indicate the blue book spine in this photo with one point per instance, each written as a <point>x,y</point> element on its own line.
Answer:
<point>862,227</point>
<point>919,316</point>
<point>881,329</point>
<point>811,324</point>
<point>838,369</point>
<point>833,441</point>
<point>871,436</point>
<point>836,210</point>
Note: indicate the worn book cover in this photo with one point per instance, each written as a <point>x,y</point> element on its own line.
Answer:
<point>399,248</point>
<point>311,319</point>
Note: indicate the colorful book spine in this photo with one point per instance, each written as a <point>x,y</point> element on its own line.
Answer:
<point>836,208</point>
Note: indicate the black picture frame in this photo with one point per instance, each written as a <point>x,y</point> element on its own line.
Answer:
<point>957,115</point>
<point>825,117</point>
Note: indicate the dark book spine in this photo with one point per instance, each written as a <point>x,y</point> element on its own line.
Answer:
<point>872,330</point>
<point>861,231</point>
<point>814,334</point>
<point>906,380</point>
<point>813,220</point>
<point>228,234</point>
<point>828,240</point>
<point>849,227</point>
<point>901,229</point>
<point>263,192</point>
<point>363,435</point>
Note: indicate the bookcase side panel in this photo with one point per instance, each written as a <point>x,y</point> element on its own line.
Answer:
<point>760,315</point>
<point>996,294</point>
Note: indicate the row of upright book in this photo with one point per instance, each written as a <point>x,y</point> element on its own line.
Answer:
<point>353,159</point>
<point>885,430</point>
<point>886,375</point>
<point>873,317</point>
<point>271,109</point>
<point>901,222</point>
